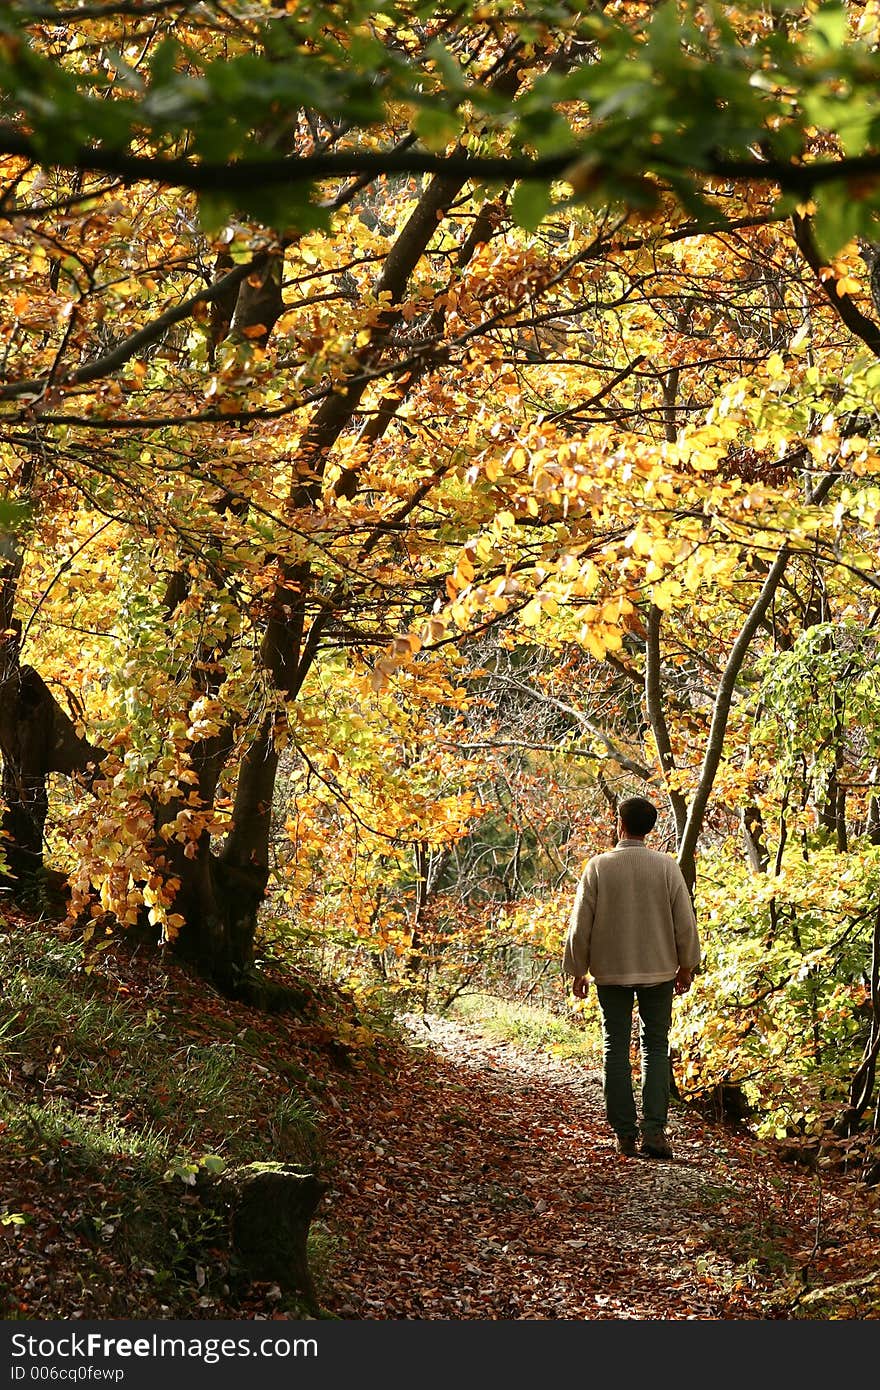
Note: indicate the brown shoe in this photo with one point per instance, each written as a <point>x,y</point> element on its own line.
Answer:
<point>655,1144</point>
<point>626,1145</point>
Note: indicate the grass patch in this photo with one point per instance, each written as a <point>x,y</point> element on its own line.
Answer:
<point>116,1090</point>
<point>60,1029</point>
<point>56,1132</point>
<point>530,1026</point>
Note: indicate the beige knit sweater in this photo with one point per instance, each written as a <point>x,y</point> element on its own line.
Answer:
<point>632,922</point>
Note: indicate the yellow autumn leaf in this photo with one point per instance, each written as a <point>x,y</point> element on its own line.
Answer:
<point>531,614</point>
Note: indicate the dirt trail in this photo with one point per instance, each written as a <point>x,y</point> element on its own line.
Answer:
<point>479,1181</point>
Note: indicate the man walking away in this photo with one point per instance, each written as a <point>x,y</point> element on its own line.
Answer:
<point>634,930</point>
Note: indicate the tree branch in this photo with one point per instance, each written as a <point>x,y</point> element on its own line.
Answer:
<point>255,175</point>
<point>646,774</point>
<point>143,338</point>
<point>843,305</point>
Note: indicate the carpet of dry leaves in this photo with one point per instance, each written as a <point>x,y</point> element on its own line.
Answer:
<point>479,1181</point>
<point>467,1178</point>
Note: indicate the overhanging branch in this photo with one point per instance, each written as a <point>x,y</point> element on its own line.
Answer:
<point>256,174</point>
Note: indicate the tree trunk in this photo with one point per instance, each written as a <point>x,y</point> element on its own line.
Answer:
<point>657,717</point>
<point>724,698</point>
<point>863,1082</point>
<point>220,904</point>
<point>37,738</point>
<point>872,826</point>
<point>221,894</point>
<point>753,835</point>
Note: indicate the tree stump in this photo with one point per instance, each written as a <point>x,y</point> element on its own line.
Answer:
<point>270,1208</point>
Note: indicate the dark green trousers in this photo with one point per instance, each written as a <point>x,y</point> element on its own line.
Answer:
<point>655,1016</point>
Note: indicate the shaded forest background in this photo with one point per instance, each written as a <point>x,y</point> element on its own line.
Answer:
<point>418,430</point>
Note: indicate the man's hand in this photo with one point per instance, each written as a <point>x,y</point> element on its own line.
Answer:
<point>580,986</point>
<point>683,980</point>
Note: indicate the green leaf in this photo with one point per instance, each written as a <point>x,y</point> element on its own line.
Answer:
<point>215,211</point>
<point>448,67</point>
<point>286,209</point>
<point>163,60</point>
<point>831,27</point>
<point>213,1163</point>
<point>435,127</point>
<point>838,218</point>
<point>530,204</point>
<point>13,514</point>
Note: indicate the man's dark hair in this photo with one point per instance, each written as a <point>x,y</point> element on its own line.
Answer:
<point>637,814</point>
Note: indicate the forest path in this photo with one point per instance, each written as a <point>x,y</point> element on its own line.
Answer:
<point>478,1180</point>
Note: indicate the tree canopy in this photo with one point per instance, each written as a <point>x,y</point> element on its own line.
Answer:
<point>419,428</point>
<point>617,101</point>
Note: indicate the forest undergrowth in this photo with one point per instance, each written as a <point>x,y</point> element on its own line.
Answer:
<point>468,1170</point>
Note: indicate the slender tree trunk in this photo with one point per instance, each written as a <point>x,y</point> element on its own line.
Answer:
<point>863,1083</point>
<point>720,715</point>
<point>657,717</point>
<point>724,699</point>
<point>753,835</point>
<point>872,827</point>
